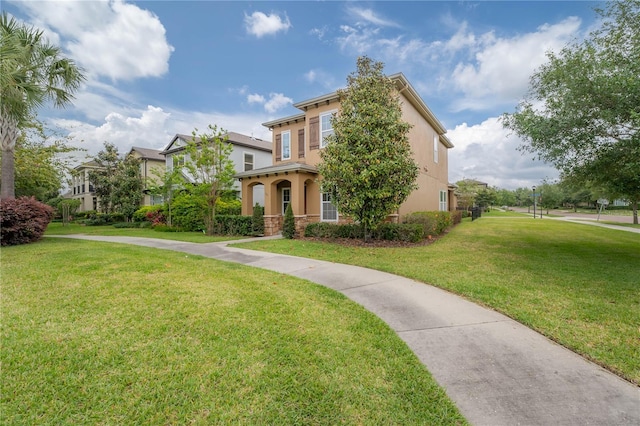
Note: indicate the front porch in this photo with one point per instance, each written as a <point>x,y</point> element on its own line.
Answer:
<point>294,184</point>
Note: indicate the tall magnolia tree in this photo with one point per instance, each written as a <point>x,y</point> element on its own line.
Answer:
<point>207,159</point>
<point>105,177</point>
<point>583,110</point>
<point>367,166</point>
<point>32,72</point>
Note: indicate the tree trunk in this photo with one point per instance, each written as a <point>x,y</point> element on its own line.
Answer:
<point>8,139</point>
<point>635,213</point>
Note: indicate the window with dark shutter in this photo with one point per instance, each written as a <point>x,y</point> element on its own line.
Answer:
<point>314,132</point>
<point>278,147</point>
<point>301,143</point>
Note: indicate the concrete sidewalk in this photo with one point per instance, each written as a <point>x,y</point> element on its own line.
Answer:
<point>497,371</point>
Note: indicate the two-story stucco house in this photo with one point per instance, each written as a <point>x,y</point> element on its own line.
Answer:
<point>248,153</point>
<point>151,168</point>
<point>293,178</point>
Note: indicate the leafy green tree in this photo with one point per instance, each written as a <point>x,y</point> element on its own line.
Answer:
<point>550,195</point>
<point>466,193</point>
<point>105,178</point>
<point>32,71</point>
<point>40,166</point>
<point>523,197</point>
<point>589,123</point>
<point>208,162</point>
<point>506,197</point>
<point>127,192</point>
<point>487,197</point>
<point>367,166</point>
<point>166,185</point>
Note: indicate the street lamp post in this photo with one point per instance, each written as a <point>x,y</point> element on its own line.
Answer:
<point>534,202</point>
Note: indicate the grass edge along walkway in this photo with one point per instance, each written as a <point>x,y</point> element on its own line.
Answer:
<point>136,335</point>
<point>575,284</point>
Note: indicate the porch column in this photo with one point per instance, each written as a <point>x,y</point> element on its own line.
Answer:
<point>247,198</point>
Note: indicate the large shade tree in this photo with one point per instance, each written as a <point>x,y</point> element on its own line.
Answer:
<point>32,72</point>
<point>367,166</point>
<point>582,113</point>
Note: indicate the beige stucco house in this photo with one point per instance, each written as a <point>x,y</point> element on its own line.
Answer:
<point>293,178</point>
<point>152,165</point>
<point>152,169</point>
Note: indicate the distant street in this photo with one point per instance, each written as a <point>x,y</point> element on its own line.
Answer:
<point>605,216</point>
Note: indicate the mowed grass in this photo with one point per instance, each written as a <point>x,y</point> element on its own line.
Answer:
<point>577,284</point>
<point>99,333</point>
<point>56,228</point>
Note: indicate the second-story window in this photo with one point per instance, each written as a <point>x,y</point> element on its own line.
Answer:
<point>286,145</point>
<point>326,128</point>
<point>248,161</point>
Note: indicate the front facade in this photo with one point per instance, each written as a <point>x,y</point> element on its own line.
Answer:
<point>293,178</point>
<point>248,153</point>
<point>152,169</point>
<point>82,188</point>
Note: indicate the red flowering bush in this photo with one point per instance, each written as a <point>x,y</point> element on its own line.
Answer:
<point>23,220</point>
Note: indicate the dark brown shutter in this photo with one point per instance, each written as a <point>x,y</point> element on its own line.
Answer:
<point>278,147</point>
<point>301,143</point>
<point>314,132</point>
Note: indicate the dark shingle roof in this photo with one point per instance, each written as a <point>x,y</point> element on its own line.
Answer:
<point>148,153</point>
<point>233,138</point>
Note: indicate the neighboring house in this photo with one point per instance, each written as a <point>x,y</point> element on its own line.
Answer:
<point>293,178</point>
<point>152,169</point>
<point>248,153</point>
<point>152,165</point>
<point>82,188</point>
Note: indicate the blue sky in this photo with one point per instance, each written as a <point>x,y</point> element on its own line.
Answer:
<point>157,68</point>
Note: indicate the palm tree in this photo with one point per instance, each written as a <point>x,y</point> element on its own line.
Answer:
<point>32,71</point>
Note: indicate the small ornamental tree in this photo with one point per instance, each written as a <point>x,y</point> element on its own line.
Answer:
<point>289,226</point>
<point>257,220</point>
<point>208,162</point>
<point>23,220</point>
<point>367,166</point>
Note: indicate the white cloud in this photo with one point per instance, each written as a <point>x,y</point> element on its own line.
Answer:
<point>325,79</point>
<point>488,152</point>
<point>501,67</point>
<point>370,17</point>
<point>107,38</point>
<point>276,102</point>
<point>256,99</point>
<point>154,128</point>
<point>259,24</point>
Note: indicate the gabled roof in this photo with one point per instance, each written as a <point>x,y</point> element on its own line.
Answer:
<point>148,153</point>
<point>88,165</point>
<point>403,87</point>
<point>180,140</point>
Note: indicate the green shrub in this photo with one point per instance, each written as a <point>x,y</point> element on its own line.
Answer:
<point>23,220</point>
<point>433,222</point>
<point>142,214</point>
<point>116,217</point>
<point>233,225</point>
<point>257,220</point>
<point>289,226</point>
<point>407,232</point>
<point>84,215</point>
<point>228,207</point>
<point>456,217</point>
<point>144,225</point>
<point>387,231</point>
<point>188,212</point>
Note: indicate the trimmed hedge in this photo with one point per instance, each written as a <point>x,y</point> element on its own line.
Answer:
<point>23,220</point>
<point>433,223</point>
<point>412,233</point>
<point>233,225</point>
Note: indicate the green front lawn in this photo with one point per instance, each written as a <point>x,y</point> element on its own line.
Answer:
<point>577,284</point>
<point>56,228</point>
<point>99,333</point>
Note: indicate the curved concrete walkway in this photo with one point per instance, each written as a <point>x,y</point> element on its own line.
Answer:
<point>497,371</point>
